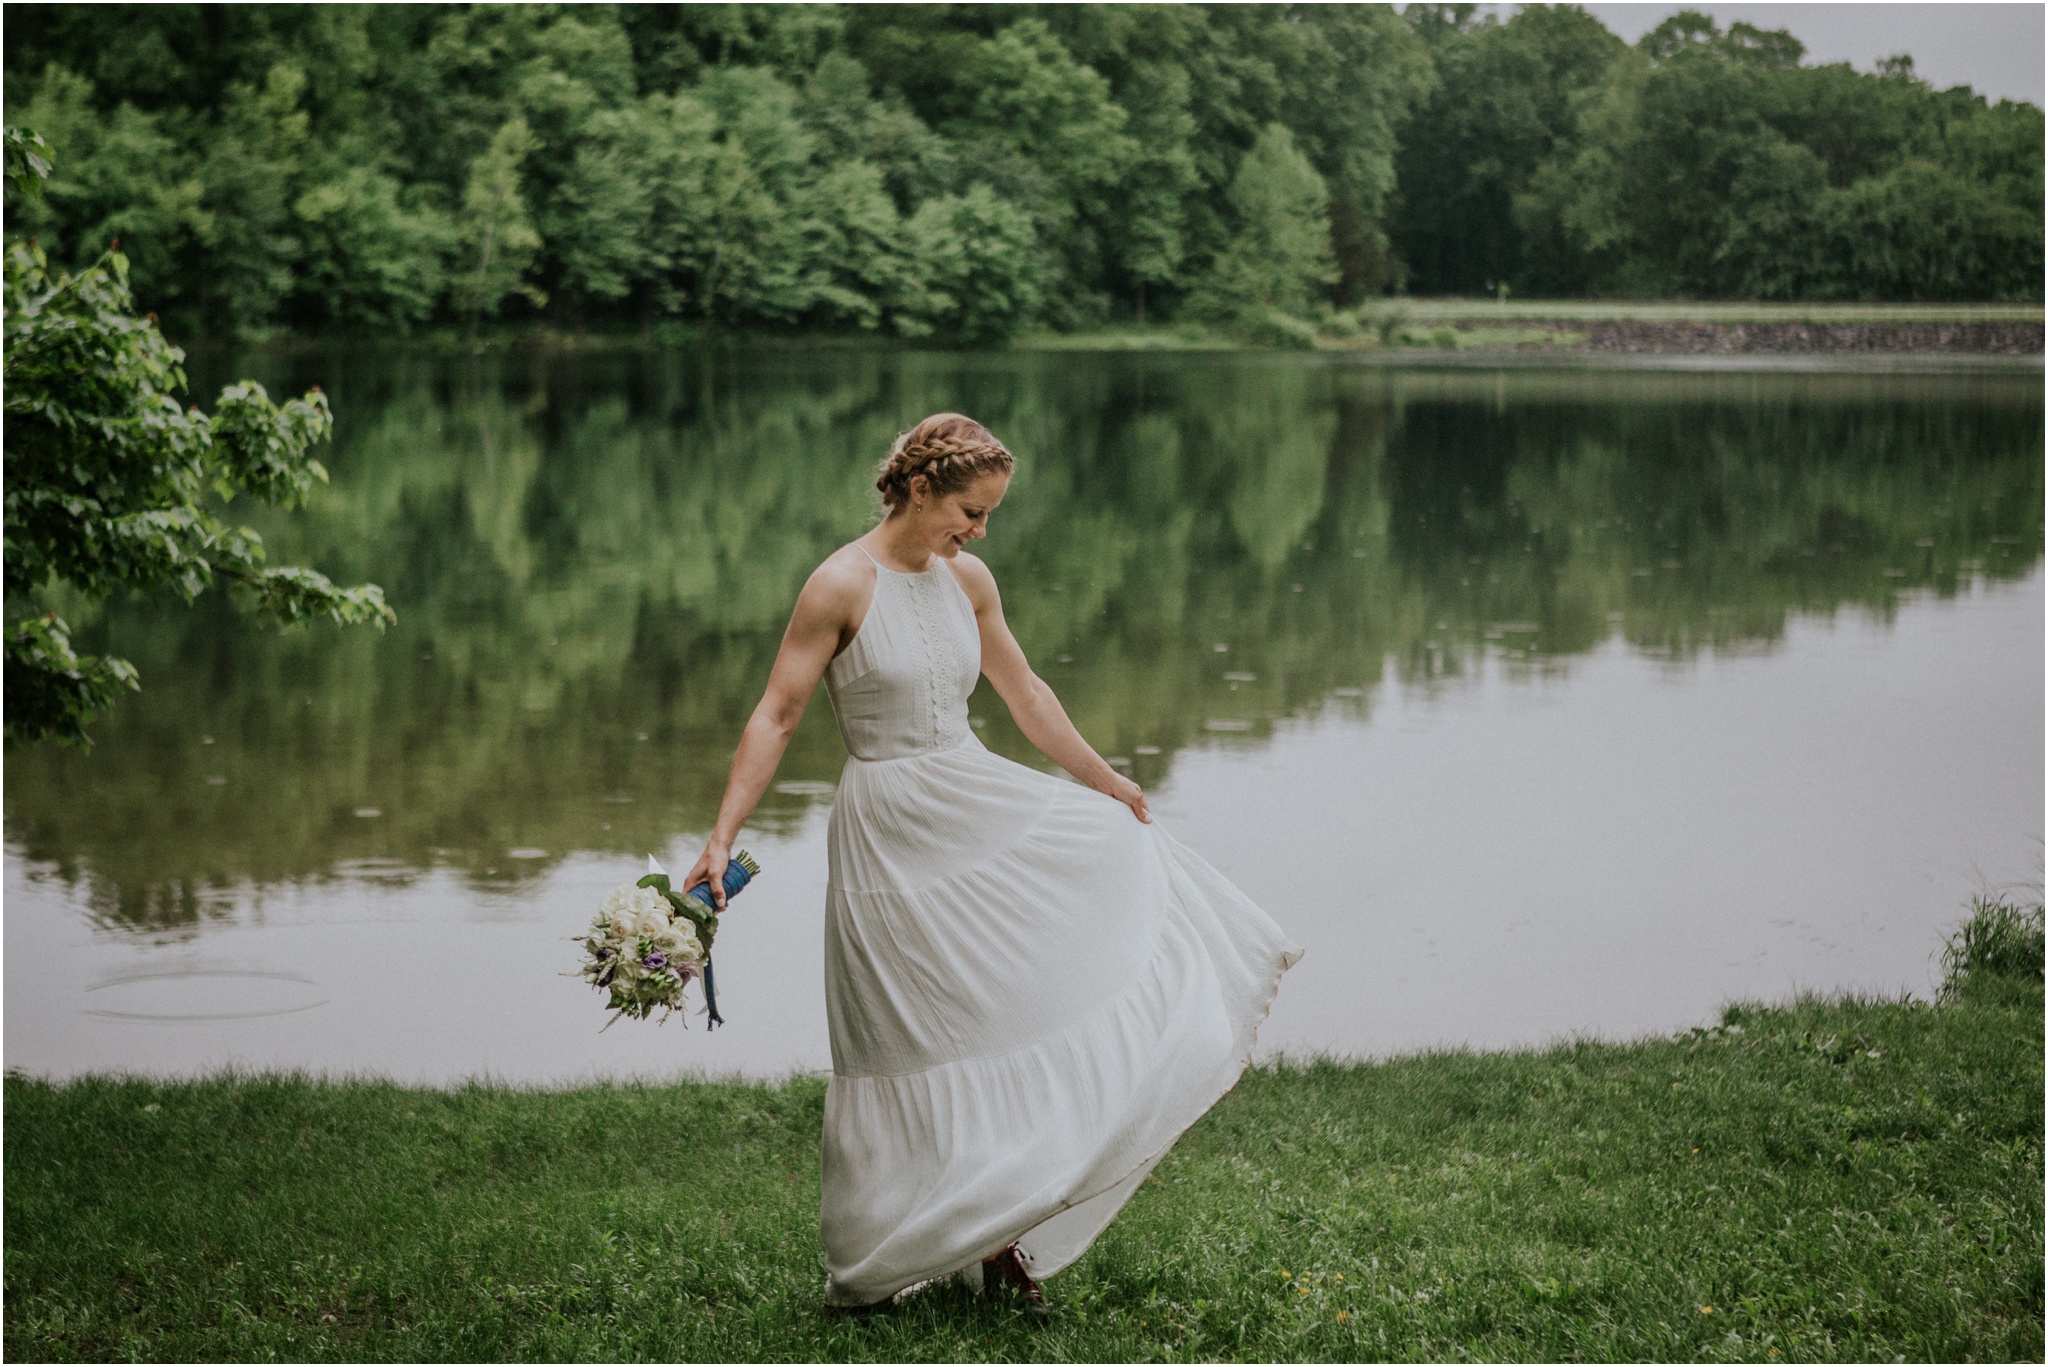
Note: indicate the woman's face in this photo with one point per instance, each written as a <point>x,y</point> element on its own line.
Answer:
<point>951,521</point>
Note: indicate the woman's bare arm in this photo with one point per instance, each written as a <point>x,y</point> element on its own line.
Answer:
<point>824,619</point>
<point>1031,700</point>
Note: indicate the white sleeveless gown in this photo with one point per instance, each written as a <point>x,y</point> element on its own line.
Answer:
<point>1031,993</point>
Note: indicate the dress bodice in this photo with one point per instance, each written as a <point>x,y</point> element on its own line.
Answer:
<point>900,687</point>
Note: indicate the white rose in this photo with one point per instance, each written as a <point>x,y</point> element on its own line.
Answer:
<point>616,912</point>
<point>681,943</point>
<point>630,911</point>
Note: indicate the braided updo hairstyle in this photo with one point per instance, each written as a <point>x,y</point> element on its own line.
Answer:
<point>951,450</point>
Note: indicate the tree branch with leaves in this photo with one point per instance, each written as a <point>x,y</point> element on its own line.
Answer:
<point>112,484</point>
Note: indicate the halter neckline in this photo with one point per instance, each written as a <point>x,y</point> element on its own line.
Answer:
<point>908,574</point>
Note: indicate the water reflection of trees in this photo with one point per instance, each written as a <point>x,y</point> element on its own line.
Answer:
<point>590,549</point>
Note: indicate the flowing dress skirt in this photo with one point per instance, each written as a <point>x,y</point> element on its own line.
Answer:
<point>1031,995</point>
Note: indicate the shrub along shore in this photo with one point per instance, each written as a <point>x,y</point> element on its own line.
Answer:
<point>1844,1179</point>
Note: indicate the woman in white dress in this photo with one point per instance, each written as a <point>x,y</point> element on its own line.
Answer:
<point>1032,990</point>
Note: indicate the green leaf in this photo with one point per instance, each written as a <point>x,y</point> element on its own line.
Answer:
<point>52,692</point>
<point>29,160</point>
<point>703,918</point>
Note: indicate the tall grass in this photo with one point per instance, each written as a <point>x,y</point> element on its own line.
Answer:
<point>1840,1179</point>
<point>2002,939</point>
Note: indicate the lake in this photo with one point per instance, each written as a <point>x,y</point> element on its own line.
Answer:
<point>1533,702</point>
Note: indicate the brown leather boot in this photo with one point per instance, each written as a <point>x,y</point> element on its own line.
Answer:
<point>1006,1269</point>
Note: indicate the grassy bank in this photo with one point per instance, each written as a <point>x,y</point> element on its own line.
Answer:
<point>1404,324</point>
<point>1835,1180</point>
<point>1490,312</point>
<point>1392,330</point>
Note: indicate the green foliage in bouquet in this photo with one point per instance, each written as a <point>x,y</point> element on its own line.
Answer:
<point>704,918</point>
<point>113,485</point>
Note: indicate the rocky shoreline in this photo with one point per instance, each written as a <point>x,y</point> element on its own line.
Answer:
<point>1696,338</point>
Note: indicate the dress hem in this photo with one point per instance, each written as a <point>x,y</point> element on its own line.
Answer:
<point>1280,965</point>
<point>1287,959</point>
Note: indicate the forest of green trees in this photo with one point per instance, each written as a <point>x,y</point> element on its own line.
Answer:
<point>967,172</point>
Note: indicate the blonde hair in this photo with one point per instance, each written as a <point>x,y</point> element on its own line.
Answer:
<point>951,450</point>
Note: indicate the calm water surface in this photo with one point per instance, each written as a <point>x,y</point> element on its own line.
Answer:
<point>1532,702</point>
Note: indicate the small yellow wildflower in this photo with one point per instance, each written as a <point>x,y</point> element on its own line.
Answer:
<point>1706,1310</point>
<point>1343,1317</point>
<point>1301,1290</point>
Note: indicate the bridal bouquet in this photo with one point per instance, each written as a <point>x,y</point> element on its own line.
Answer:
<point>648,942</point>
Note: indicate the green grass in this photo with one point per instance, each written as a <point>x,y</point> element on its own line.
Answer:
<point>1404,331</point>
<point>1483,311</point>
<point>2002,938</point>
<point>1406,324</point>
<point>1443,337</point>
<point>1133,337</point>
<point>1396,324</point>
<point>1827,1180</point>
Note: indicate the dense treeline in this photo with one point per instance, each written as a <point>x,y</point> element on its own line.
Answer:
<point>1553,158</point>
<point>968,171</point>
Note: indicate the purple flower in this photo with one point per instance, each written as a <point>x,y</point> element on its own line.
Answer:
<point>606,980</point>
<point>603,954</point>
<point>656,960</point>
